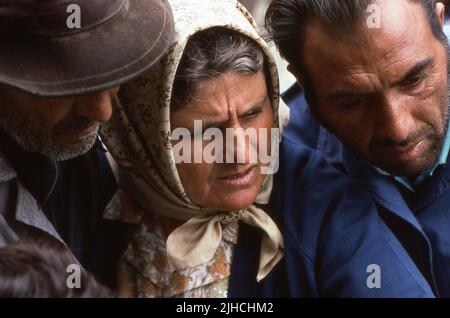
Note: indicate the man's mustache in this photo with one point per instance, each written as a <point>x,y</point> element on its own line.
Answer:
<point>413,138</point>
<point>75,123</point>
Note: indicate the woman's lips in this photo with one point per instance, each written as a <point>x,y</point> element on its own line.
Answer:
<point>405,154</point>
<point>239,179</point>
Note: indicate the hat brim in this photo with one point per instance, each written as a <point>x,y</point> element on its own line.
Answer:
<point>105,56</point>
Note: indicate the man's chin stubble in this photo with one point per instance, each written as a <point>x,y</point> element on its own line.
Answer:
<point>47,146</point>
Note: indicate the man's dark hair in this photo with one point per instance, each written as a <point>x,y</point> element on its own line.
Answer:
<point>30,270</point>
<point>286,22</point>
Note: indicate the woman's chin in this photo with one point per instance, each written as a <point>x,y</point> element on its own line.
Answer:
<point>236,202</point>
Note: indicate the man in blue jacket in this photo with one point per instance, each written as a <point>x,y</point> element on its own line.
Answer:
<point>375,78</point>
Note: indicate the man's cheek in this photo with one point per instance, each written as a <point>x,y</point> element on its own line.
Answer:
<point>356,140</point>
<point>434,113</point>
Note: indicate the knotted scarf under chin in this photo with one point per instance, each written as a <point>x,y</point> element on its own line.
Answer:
<point>196,241</point>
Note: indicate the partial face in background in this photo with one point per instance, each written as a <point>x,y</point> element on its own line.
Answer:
<point>233,101</point>
<point>59,128</point>
<point>387,98</point>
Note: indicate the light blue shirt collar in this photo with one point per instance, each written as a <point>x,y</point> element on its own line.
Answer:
<point>412,185</point>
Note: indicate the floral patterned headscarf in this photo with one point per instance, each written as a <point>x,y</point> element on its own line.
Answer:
<point>138,137</point>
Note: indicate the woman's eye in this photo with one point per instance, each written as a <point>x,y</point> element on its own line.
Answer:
<point>252,113</point>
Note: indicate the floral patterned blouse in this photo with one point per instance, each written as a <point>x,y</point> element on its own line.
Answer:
<point>144,271</point>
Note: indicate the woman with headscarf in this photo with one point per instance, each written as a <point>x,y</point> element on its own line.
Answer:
<point>201,229</point>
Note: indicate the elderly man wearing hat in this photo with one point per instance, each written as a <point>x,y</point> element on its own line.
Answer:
<point>56,81</point>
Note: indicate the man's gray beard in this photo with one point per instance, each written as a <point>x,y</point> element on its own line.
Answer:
<point>38,143</point>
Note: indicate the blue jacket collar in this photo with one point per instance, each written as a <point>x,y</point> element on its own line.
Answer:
<point>381,187</point>
<point>434,186</point>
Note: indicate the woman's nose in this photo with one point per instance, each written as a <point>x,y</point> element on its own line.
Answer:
<point>240,145</point>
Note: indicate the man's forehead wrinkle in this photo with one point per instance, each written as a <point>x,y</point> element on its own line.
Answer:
<point>370,75</point>
<point>360,77</point>
<point>358,84</point>
<point>359,74</point>
<point>390,60</point>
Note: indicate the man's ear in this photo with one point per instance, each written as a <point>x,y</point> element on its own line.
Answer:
<point>300,80</point>
<point>440,13</point>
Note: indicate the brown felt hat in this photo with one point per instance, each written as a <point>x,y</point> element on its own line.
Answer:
<point>54,48</point>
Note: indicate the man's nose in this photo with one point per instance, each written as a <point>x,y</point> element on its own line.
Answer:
<point>394,119</point>
<point>96,106</point>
